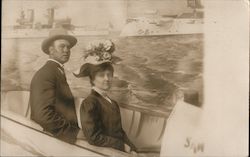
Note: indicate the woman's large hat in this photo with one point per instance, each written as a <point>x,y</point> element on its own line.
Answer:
<point>96,54</point>
<point>56,34</point>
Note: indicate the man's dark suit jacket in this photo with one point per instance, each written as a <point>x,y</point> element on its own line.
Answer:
<point>52,103</point>
<point>101,122</point>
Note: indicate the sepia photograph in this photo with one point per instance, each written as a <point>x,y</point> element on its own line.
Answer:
<point>114,78</point>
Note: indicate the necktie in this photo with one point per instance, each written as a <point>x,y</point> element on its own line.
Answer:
<point>61,69</point>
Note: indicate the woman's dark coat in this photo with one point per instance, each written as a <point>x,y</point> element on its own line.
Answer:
<point>101,122</point>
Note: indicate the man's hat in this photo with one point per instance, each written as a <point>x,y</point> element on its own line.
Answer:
<point>56,34</point>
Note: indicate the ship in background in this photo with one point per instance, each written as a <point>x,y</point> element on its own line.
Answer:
<point>27,27</point>
<point>153,24</point>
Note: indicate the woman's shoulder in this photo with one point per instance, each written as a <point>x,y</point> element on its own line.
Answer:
<point>90,101</point>
<point>114,102</point>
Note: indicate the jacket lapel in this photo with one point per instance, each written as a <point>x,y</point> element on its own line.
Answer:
<point>58,68</point>
<point>103,100</point>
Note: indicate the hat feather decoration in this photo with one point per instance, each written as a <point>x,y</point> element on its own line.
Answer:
<point>96,53</point>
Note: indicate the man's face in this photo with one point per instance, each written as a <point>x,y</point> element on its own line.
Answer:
<point>60,50</point>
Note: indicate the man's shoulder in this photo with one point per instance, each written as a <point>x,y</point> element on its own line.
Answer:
<point>46,71</point>
<point>48,67</point>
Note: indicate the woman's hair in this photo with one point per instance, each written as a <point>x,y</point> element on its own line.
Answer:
<point>99,68</point>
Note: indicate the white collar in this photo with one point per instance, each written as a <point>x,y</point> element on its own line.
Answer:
<point>102,93</point>
<point>61,65</point>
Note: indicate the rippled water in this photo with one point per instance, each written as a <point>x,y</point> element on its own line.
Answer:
<point>149,70</point>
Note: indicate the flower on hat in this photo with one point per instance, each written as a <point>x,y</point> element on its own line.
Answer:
<point>106,56</point>
<point>98,52</point>
<point>92,59</point>
<point>107,45</point>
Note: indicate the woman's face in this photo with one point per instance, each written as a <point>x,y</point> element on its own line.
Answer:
<point>103,80</point>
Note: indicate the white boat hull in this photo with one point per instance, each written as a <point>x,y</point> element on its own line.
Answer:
<point>174,27</point>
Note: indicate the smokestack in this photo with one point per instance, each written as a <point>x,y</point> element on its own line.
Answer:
<point>51,12</point>
<point>30,15</point>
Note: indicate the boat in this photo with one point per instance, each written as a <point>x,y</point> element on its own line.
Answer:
<point>18,130</point>
<point>142,26</point>
<point>89,31</point>
<point>154,134</point>
<point>43,33</point>
<point>27,27</point>
<point>153,24</point>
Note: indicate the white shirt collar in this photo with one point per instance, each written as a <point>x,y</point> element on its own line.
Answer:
<point>98,90</point>
<point>102,93</point>
<point>50,59</point>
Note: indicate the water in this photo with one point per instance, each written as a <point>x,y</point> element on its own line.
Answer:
<point>149,71</point>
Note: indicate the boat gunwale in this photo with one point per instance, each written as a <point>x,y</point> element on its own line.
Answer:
<point>121,154</point>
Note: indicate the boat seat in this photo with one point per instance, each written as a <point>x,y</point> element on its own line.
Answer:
<point>16,101</point>
<point>136,124</point>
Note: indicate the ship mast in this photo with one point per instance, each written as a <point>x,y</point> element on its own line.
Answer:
<point>194,4</point>
<point>127,5</point>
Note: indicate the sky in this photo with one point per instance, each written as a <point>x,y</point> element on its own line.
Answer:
<point>91,12</point>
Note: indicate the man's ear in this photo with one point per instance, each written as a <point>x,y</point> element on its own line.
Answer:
<point>51,49</point>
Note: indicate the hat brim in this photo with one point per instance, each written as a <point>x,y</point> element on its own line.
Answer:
<point>47,42</point>
<point>87,68</point>
<point>83,71</point>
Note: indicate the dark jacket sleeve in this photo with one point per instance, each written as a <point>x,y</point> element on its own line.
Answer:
<point>92,126</point>
<point>44,112</point>
<point>128,142</point>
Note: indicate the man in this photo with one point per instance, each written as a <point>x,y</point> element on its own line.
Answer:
<point>51,101</point>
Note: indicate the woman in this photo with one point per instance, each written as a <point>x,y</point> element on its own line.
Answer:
<point>100,115</point>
